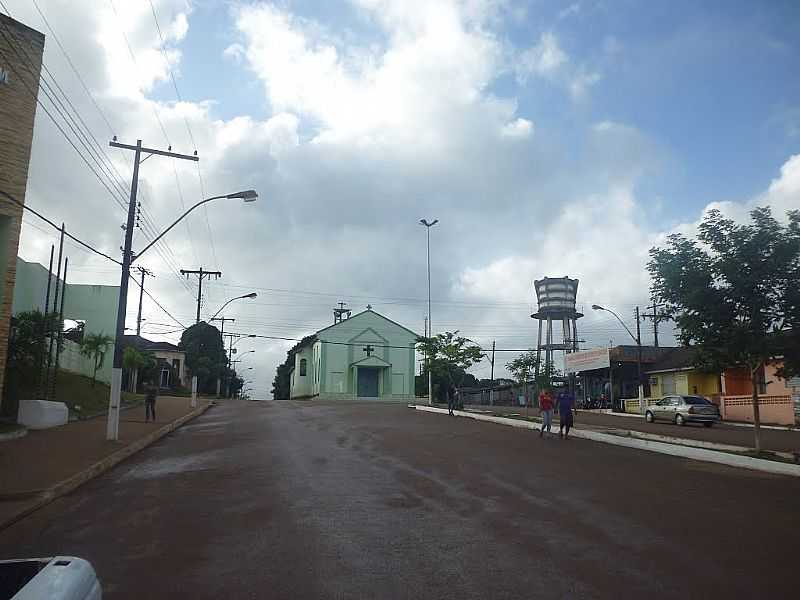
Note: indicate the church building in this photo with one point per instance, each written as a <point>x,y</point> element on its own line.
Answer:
<point>365,356</point>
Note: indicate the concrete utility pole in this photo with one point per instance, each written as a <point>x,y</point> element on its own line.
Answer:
<point>112,430</point>
<point>491,389</point>
<point>430,323</point>
<point>143,272</point>
<point>200,275</point>
<point>640,386</point>
<point>222,335</point>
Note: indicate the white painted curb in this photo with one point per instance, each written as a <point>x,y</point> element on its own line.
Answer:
<point>731,460</point>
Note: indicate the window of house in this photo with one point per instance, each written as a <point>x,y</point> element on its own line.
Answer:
<point>303,367</point>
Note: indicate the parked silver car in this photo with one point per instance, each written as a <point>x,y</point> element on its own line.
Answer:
<point>683,409</point>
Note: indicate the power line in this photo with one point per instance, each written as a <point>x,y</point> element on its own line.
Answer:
<point>48,221</point>
<point>118,194</point>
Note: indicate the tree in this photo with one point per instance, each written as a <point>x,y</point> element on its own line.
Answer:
<point>527,368</point>
<point>136,362</point>
<point>94,346</point>
<point>205,355</point>
<point>27,349</point>
<point>734,293</point>
<point>449,356</point>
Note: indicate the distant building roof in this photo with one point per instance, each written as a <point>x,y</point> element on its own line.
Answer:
<point>678,359</point>
<point>141,343</point>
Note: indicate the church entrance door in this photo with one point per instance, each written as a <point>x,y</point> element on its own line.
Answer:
<point>367,382</point>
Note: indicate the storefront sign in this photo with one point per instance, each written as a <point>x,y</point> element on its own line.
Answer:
<point>586,361</point>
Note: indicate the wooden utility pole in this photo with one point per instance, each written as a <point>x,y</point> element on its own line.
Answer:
<point>656,317</point>
<point>222,335</point>
<point>201,274</point>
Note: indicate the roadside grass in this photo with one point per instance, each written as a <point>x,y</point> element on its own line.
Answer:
<point>85,400</point>
<point>10,427</point>
<point>767,455</point>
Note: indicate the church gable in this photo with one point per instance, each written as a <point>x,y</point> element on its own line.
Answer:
<point>368,326</point>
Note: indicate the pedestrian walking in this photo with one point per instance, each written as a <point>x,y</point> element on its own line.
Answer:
<point>451,399</point>
<point>565,416</point>
<point>151,393</point>
<point>546,410</point>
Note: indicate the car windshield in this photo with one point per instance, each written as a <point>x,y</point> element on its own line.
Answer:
<point>695,400</point>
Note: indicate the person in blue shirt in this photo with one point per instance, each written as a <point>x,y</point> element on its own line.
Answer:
<point>566,401</point>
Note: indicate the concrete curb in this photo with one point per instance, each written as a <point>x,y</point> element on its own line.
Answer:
<point>68,485</point>
<point>731,460</point>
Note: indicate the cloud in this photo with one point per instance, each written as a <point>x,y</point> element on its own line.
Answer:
<point>571,10</point>
<point>519,128</point>
<point>544,59</point>
<point>581,82</point>
<point>365,133</point>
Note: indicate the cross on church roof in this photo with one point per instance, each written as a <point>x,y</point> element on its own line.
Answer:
<point>369,306</point>
<point>369,349</point>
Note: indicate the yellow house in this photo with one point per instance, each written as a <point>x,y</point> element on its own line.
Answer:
<point>675,373</point>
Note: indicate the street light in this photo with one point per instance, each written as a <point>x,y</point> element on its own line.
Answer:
<point>638,341</point>
<point>251,296</point>
<point>430,327</point>
<point>128,258</point>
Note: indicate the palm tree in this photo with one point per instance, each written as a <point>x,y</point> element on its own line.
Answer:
<point>94,346</point>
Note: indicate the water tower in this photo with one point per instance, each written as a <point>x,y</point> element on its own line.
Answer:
<point>556,297</point>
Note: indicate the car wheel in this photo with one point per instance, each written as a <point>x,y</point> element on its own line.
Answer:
<point>648,416</point>
<point>708,424</point>
<point>679,420</point>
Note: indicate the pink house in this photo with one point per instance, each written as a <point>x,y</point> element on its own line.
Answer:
<point>775,400</point>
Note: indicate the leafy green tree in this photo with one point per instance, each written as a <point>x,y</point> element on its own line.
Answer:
<point>448,356</point>
<point>734,293</point>
<point>205,355</point>
<point>95,346</point>
<point>134,361</point>
<point>27,349</point>
<point>526,369</point>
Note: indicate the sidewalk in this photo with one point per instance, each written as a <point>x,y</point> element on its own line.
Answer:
<point>777,440</point>
<point>32,466</point>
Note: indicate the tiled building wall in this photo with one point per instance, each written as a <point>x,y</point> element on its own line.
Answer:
<point>21,51</point>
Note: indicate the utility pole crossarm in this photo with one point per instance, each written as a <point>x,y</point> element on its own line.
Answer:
<point>115,144</point>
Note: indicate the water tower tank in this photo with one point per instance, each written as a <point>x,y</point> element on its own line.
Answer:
<point>556,297</point>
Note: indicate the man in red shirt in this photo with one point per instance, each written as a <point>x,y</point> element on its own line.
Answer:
<point>546,410</point>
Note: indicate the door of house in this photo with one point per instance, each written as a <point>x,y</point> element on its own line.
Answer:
<point>367,382</point>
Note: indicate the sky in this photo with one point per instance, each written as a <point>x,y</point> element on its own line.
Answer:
<point>548,138</point>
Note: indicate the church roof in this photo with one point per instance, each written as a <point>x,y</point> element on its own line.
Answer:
<point>368,310</point>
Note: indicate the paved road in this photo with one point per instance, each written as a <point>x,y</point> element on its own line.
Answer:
<point>721,433</point>
<point>294,500</point>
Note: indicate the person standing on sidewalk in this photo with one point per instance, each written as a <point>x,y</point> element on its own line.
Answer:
<point>451,399</point>
<point>151,393</point>
<point>565,415</point>
<point>546,410</point>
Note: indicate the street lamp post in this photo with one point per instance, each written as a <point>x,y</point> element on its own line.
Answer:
<point>251,296</point>
<point>238,360</point>
<point>128,258</point>
<point>430,326</point>
<point>638,340</point>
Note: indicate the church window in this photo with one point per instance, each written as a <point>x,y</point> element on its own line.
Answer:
<point>303,363</point>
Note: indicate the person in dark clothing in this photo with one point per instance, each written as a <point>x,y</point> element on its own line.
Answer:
<point>451,399</point>
<point>151,393</point>
<point>565,415</point>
